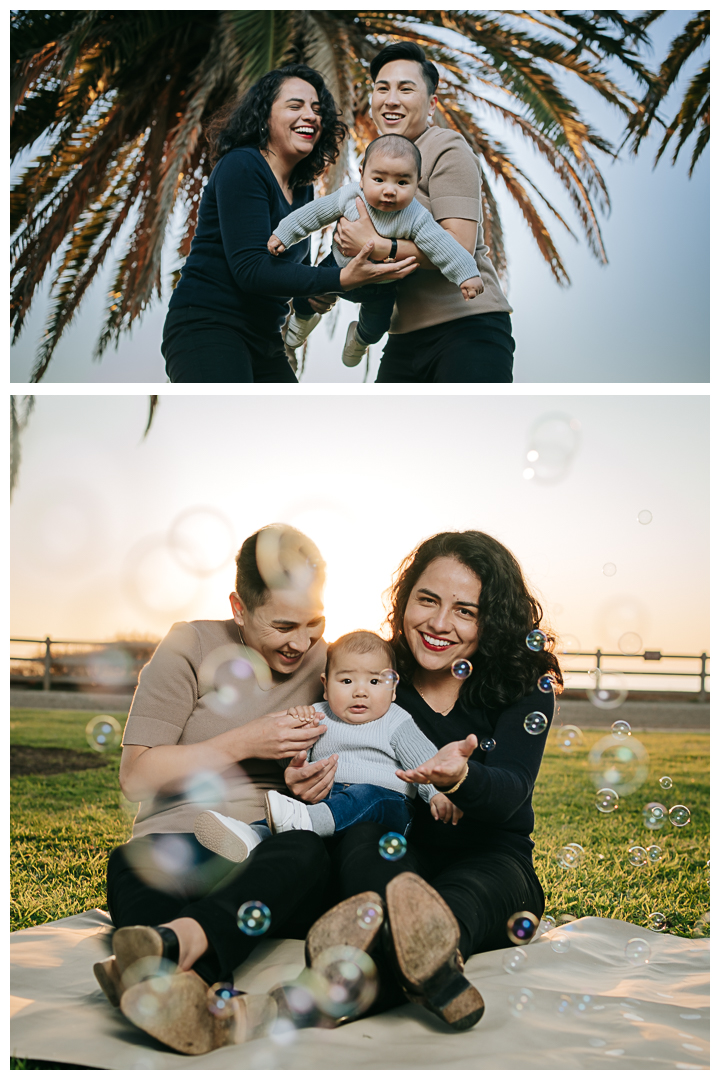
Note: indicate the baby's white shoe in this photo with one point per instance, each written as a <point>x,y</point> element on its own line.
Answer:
<point>232,839</point>
<point>298,329</point>
<point>354,349</point>
<point>284,814</point>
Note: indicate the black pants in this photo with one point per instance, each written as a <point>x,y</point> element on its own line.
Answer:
<point>478,349</point>
<point>289,873</point>
<point>201,345</point>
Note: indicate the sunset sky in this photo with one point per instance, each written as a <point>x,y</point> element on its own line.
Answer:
<point>112,534</point>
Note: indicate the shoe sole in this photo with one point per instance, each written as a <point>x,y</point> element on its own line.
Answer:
<point>425,937</point>
<point>268,814</point>
<point>132,944</point>
<point>215,836</point>
<point>340,926</point>
<point>107,974</point>
<point>350,340</point>
<point>175,1011</point>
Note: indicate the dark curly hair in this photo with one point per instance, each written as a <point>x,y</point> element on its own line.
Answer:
<point>504,668</point>
<point>245,123</point>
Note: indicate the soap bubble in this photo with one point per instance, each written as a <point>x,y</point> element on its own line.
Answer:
<point>620,729</point>
<point>654,853</point>
<point>577,1004</point>
<point>461,669</point>
<point>514,960</point>
<point>546,683</point>
<point>568,644</point>
<point>657,922</point>
<point>679,815</point>
<point>655,815</point>
<point>553,442</point>
<point>253,918</point>
<point>521,1001</point>
<point>637,951</point>
<point>521,927</point>
<point>609,689</point>
<point>487,745</point>
<point>226,673</point>
<point>544,927</point>
<point>560,943</point>
<point>369,915</point>
<point>609,569</point>
<point>392,846</point>
<point>563,920</point>
<point>103,733</point>
<point>637,856</point>
<point>644,517</point>
<point>630,643</point>
<point>202,540</point>
<point>348,981</point>
<point>569,738</point>
<point>207,790</point>
<point>222,999</point>
<point>389,677</point>
<point>665,782</point>
<point>549,921</point>
<point>702,926</point>
<point>620,765</point>
<point>154,580</point>
<point>536,640</point>
<point>570,856</point>
<point>606,800</point>
<point>535,723</point>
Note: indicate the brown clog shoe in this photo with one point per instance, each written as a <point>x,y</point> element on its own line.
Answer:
<point>425,937</point>
<point>156,947</point>
<point>356,921</point>
<point>108,975</point>
<point>175,1010</point>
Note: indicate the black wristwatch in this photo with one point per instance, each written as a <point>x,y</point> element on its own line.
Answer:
<point>393,251</point>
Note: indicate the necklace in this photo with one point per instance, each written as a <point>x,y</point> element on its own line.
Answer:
<point>258,675</point>
<point>443,712</point>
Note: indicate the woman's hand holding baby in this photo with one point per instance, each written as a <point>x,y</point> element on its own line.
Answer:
<point>361,271</point>
<point>307,713</point>
<point>472,287</point>
<point>443,810</point>
<point>277,735</point>
<point>275,246</point>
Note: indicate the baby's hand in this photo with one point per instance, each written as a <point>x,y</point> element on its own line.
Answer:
<point>306,713</point>
<point>275,246</point>
<point>443,810</point>
<point>472,287</point>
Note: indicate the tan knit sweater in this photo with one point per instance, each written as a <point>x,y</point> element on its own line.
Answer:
<point>167,710</point>
<point>449,188</point>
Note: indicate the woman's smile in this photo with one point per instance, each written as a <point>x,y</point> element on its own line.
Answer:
<point>435,644</point>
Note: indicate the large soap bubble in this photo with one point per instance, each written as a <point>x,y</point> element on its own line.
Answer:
<point>609,689</point>
<point>202,540</point>
<point>569,738</point>
<point>228,673</point>
<point>622,766</point>
<point>553,442</point>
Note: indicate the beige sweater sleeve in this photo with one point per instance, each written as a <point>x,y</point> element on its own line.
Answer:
<point>167,690</point>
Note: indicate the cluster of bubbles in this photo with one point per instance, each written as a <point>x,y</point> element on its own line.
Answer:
<point>655,815</point>
<point>574,1004</point>
<point>609,690</point>
<point>103,733</point>
<point>521,927</point>
<point>535,723</point>
<point>642,856</point>
<point>521,1001</point>
<point>254,918</point>
<point>569,738</point>
<point>570,856</point>
<point>392,846</point>
<point>462,669</point>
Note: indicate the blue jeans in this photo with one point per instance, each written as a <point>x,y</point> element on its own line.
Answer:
<point>352,804</point>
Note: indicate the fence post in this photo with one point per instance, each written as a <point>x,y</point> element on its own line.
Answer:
<point>48,662</point>
<point>598,658</point>
<point>703,676</point>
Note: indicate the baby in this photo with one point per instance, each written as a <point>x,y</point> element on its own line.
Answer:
<point>372,738</point>
<point>390,174</point>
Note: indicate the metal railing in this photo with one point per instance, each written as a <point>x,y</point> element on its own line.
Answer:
<point>48,660</point>
<point>649,656</point>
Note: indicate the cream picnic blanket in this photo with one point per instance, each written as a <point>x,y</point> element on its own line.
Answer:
<point>653,1016</point>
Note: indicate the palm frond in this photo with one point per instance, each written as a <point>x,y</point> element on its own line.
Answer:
<point>20,410</point>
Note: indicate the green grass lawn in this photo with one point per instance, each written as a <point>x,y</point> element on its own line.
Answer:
<point>64,827</point>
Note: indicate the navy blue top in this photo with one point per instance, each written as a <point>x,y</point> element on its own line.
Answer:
<point>496,796</point>
<point>229,267</point>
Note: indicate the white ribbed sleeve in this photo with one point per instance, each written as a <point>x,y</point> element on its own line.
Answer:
<point>370,753</point>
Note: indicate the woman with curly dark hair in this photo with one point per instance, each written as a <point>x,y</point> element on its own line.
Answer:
<point>225,315</point>
<point>484,693</point>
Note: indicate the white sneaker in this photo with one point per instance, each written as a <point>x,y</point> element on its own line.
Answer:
<point>298,329</point>
<point>232,839</point>
<point>354,349</point>
<point>284,814</point>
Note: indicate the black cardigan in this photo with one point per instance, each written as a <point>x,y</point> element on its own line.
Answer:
<point>496,796</point>
<point>229,267</point>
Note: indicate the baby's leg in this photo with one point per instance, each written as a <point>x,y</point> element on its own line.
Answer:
<point>226,836</point>
<point>375,314</point>
<point>350,804</point>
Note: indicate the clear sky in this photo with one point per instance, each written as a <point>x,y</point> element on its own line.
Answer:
<point>98,548</point>
<point>642,318</point>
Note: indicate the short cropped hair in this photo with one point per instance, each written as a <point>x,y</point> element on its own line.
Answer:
<point>277,557</point>
<point>406,50</point>
<point>395,146</point>
<point>360,642</point>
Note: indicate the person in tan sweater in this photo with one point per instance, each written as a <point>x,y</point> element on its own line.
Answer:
<point>435,336</point>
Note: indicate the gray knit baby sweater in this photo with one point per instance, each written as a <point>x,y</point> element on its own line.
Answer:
<point>370,753</point>
<point>413,223</point>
